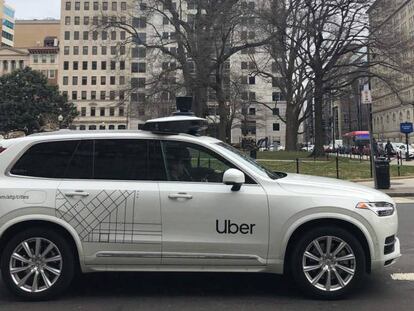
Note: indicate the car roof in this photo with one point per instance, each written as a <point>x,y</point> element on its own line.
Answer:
<point>102,134</point>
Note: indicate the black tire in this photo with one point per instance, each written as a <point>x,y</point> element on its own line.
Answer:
<point>67,265</point>
<point>296,265</point>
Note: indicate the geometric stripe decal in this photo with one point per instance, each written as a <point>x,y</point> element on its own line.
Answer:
<point>106,218</point>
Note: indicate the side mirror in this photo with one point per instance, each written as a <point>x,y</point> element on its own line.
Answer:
<point>234,178</point>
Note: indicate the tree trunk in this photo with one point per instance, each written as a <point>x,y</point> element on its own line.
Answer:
<point>319,130</point>
<point>292,127</point>
<point>200,101</point>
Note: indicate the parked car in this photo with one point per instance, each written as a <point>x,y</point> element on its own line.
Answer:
<point>156,200</point>
<point>308,148</point>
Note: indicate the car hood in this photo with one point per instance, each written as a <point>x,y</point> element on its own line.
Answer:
<point>307,184</point>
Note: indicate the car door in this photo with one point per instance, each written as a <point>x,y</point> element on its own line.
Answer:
<point>111,201</point>
<point>204,222</point>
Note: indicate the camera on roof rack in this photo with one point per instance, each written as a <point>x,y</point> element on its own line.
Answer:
<point>182,121</point>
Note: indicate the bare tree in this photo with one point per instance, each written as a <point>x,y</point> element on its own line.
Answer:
<point>201,36</point>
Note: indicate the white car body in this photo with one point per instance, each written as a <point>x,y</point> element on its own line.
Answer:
<point>188,226</point>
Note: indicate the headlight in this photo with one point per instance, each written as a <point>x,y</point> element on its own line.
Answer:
<point>380,208</point>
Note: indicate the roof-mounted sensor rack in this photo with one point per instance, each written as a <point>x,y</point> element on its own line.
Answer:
<point>182,121</point>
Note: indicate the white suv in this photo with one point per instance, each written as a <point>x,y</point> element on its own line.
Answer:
<point>141,201</point>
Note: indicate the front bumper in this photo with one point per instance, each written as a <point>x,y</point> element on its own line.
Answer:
<point>386,260</point>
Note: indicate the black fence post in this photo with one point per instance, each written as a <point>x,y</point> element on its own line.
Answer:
<point>297,166</point>
<point>370,166</point>
<point>337,167</point>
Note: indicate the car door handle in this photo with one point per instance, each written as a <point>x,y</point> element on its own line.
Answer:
<point>76,194</point>
<point>174,196</point>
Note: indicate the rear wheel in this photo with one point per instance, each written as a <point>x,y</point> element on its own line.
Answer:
<point>328,262</point>
<point>37,264</point>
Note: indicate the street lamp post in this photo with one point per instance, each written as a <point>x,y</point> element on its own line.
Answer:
<point>60,119</point>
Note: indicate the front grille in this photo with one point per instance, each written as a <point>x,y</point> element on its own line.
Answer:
<point>389,245</point>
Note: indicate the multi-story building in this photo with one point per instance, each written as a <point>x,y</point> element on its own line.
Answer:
<point>6,24</point>
<point>109,81</point>
<point>43,58</point>
<point>94,65</point>
<point>393,106</point>
<point>32,33</point>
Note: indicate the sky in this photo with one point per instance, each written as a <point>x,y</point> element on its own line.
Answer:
<point>36,9</point>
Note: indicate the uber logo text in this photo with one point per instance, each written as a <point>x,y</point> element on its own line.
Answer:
<point>232,228</point>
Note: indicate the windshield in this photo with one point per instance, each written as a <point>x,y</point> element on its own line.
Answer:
<point>248,161</point>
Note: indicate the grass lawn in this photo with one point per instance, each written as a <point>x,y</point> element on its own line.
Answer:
<point>348,169</point>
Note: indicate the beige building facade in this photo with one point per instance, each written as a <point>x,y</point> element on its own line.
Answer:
<point>31,33</point>
<point>390,108</point>
<point>94,68</point>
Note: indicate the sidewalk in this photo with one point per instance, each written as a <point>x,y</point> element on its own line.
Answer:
<point>399,187</point>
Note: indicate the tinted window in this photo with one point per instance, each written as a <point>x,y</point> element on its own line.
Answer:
<point>47,160</point>
<point>193,163</point>
<point>121,159</point>
<point>81,164</point>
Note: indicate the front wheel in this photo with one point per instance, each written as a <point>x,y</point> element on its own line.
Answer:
<point>37,264</point>
<point>328,262</point>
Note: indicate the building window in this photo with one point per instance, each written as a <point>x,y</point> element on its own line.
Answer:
<point>86,6</point>
<point>103,80</point>
<point>95,5</point>
<point>122,65</point>
<point>66,50</point>
<point>74,80</point>
<point>83,111</point>
<point>86,20</point>
<point>52,59</point>
<point>121,111</point>
<point>65,80</point>
<point>102,112</point>
<point>94,65</point>
<point>252,80</point>
<point>74,95</point>
<point>93,111</point>
<point>95,20</point>
<point>75,65</point>
<point>76,35</point>
<point>103,95</point>
<point>93,95</point>
<point>123,6</point>
<point>68,6</point>
<point>93,80</point>
<point>84,65</point>
<point>252,111</point>
<point>94,50</point>
<point>114,6</point>
<point>113,50</point>
<point>111,111</point>
<point>92,127</point>
<point>122,80</point>
<point>77,6</point>
<point>67,20</point>
<point>112,80</point>
<point>86,35</point>
<point>65,65</point>
<point>112,95</point>
<point>123,35</point>
<point>103,65</point>
<point>276,127</point>
<point>84,95</point>
<point>85,50</point>
<point>104,35</point>
<point>275,111</point>
<point>67,35</point>
<point>105,6</point>
<point>35,58</point>
<point>77,20</point>
<point>84,80</point>
<point>103,50</point>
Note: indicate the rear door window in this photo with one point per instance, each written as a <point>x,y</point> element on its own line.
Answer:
<point>48,160</point>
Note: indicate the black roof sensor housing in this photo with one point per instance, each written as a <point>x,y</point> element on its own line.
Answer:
<point>182,121</point>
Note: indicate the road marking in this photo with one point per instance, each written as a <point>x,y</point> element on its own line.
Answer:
<point>402,276</point>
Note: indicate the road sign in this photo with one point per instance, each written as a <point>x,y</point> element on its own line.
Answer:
<point>406,128</point>
<point>366,97</point>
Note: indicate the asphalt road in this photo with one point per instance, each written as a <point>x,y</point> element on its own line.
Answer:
<point>206,291</point>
